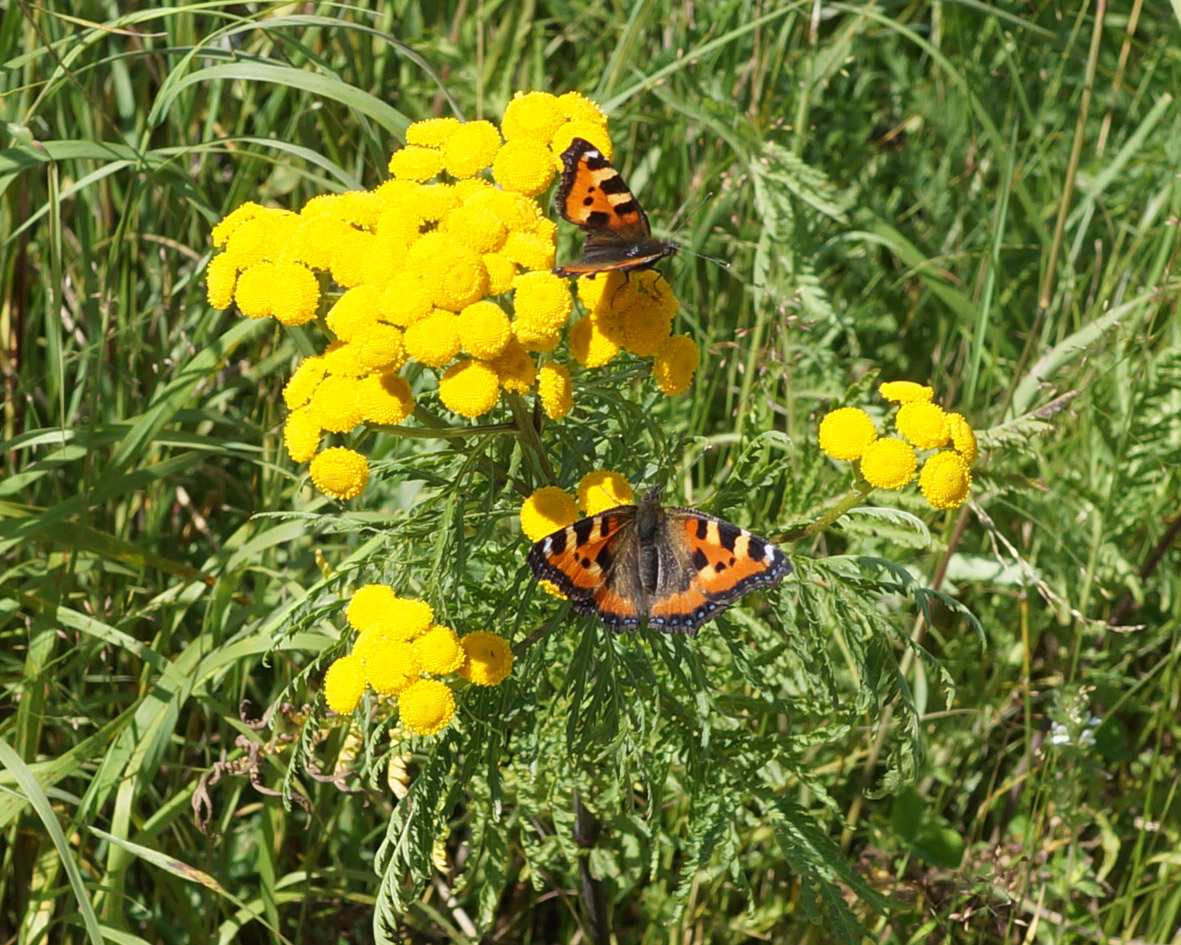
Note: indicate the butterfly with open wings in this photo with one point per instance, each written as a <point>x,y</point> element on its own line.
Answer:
<point>676,568</point>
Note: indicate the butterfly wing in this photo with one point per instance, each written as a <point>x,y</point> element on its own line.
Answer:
<point>589,561</point>
<point>593,196</point>
<point>709,565</point>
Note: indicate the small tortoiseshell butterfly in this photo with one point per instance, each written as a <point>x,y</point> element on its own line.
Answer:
<point>678,568</point>
<point>593,196</point>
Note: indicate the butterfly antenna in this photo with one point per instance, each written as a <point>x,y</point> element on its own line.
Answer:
<point>683,223</point>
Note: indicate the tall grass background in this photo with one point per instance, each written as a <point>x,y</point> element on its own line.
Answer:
<point>982,197</point>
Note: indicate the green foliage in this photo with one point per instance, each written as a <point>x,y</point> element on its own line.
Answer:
<point>939,728</point>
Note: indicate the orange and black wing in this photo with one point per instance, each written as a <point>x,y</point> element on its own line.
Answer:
<point>593,195</point>
<point>580,559</point>
<point>720,563</point>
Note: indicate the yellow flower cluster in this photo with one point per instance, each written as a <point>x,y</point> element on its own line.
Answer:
<point>849,434</point>
<point>439,265</point>
<point>550,508</point>
<point>398,652</point>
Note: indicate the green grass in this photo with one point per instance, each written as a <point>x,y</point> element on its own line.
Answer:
<point>951,727</point>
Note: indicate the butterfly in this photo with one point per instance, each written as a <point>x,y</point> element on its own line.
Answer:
<point>593,196</point>
<point>676,568</point>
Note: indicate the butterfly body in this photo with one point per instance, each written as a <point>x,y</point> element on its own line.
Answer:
<point>675,568</point>
<point>593,196</point>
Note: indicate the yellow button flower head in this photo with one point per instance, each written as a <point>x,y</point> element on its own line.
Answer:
<point>469,388</point>
<point>301,435</point>
<point>552,589</point>
<point>595,133</point>
<point>555,389</point>
<point>924,424</point>
<point>316,239</point>
<point>415,163</point>
<point>340,472</point>
<point>432,202</point>
<point>340,359</point>
<point>354,310</point>
<point>645,330</point>
<point>454,276</point>
<point>435,340</point>
<point>846,432</point>
<point>360,208</point>
<point>427,707</point>
<point>484,330</point>
<point>543,305</point>
<point>220,276</point>
<point>385,399</point>
<point>252,241</point>
<point>432,132</point>
<point>405,300</point>
<point>518,213</point>
<point>547,510</point>
<point>515,370</point>
<point>439,652</point>
<point>945,479</point>
<point>524,166</point>
<point>489,658</point>
<point>471,148</point>
<point>675,365</point>
<point>369,605</point>
<point>603,489</point>
<point>295,294</point>
<point>335,405</point>
<point>298,391</point>
<point>963,438</point>
<point>380,347</point>
<point>529,251</point>
<point>905,392</point>
<point>469,187</point>
<point>384,259</point>
<point>391,667</point>
<point>344,684</point>
<point>535,115</point>
<point>410,616</point>
<point>475,228</point>
<point>592,347</point>
<point>888,463</point>
<point>501,273</point>
<point>226,228</point>
<point>253,292</point>
<point>577,107</point>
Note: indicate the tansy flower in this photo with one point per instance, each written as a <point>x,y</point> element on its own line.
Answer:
<point>469,388</point>
<point>385,399</point>
<point>529,251</point>
<point>535,115</point>
<point>945,479</point>
<point>489,658</point>
<point>251,242</point>
<point>335,405</point>
<point>555,389</point>
<point>592,348</point>
<point>439,652</point>
<point>476,228</point>
<point>220,276</point>
<point>390,668</point>
<point>525,166</point>
<point>226,228</point>
<point>483,330</point>
<point>603,489</point>
<point>432,202</point>
<point>354,310</point>
<point>344,684</point>
<point>315,240</point>
<point>426,707</point>
<point>888,463</point>
<point>547,510</point>
<point>590,131</point>
<point>368,606</point>
<point>301,435</point>
<point>469,187</point>
<point>645,330</point>
<point>397,619</point>
<point>384,259</point>
<point>380,347</point>
<point>515,370</point>
<point>298,391</point>
<point>415,163</point>
<point>253,291</point>
<point>675,364</point>
<point>924,424</point>
<point>435,340</point>
<point>905,392</point>
<point>340,472</point>
<point>405,300</point>
<point>470,148</point>
<point>519,214</point>
<point>552,589</point>
<point>360,207</point>
<point>432,132</point>
<point>347,262</point>
<point>962,437</point>
<point>340,359</point>
<point>846,432</point>
<point>543,304</point>
<point>577,107</point>
<point>501,273</point>
<point>454,276</point>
